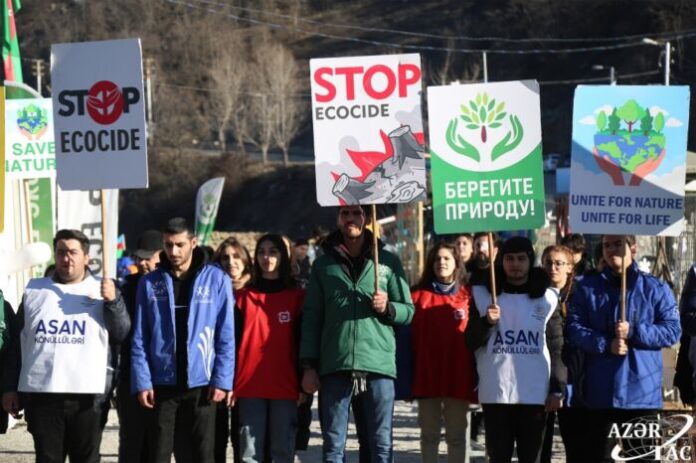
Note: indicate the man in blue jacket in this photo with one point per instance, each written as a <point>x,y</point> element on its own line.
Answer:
<point>182,353</point>
<point>623,360</point>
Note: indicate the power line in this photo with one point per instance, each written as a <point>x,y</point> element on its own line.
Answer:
<point>598,79</point>
<point>419,47</point>
<point>657,36</point>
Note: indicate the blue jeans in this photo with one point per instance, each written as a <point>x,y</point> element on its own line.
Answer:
<point>278,417</point>
<point>376,409</point>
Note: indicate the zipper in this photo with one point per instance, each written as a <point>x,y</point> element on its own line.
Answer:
<point>355,321</point>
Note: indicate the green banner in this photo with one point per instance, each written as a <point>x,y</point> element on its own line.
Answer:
<point>40,201</point>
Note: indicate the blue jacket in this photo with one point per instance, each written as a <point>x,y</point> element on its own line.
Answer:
<point>211,348</point>
<point>633,381</point>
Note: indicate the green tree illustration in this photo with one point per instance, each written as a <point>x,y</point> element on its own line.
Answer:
<point>646,123</point>
<point>614,122</point>
<point>631,112</point>
<point>481,113</point>
<point>601,121</point>
<point>659,122</point>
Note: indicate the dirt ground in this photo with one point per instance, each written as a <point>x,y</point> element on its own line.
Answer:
<point>17,445</point>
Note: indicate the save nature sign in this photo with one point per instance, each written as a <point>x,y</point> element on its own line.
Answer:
<point>485,145</point>
<point>368,129</point>
<point>29,147</point>
<point>628,160</point>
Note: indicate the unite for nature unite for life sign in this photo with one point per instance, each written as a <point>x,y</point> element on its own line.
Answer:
<point>99,115</point>
<point>485,146</point>
<point>368,129</point>
<point>629,159</point>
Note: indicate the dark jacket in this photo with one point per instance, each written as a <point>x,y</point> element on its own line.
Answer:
<point>129,290</point>
<point>8,320</point>
<point>683,377</point>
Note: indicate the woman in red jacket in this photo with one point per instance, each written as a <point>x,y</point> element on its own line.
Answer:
<point>444,371</point>
<point>266,386</point>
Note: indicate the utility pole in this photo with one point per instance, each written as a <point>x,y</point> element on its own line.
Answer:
<point>485,67</point>
<point>149,64</point>
<point>668,61</point>
<point>38,70</point>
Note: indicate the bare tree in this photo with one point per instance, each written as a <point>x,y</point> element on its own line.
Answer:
<point>284,88</point>
<point>226,109</point>
<point>262,103</point>
<point>260,121</point>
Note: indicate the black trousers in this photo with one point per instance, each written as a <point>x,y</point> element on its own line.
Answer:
<point>65,424</point>
<point>594,444</point>
<point>173,407</point>
<point>507,425</point>
<point>135,422</point>
<point>547,444</point>
<point>571,421</point>
<point>226,429</point>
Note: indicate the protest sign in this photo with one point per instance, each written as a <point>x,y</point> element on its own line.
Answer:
<point>2,157</point>
<point>485,145</point>
<point>368,129</point>
<point>99,115</point>
<point>29,139</point>
<point>629,159</point>
<point>40,194</point>
<point>80,210</point>
<point>207,203</point>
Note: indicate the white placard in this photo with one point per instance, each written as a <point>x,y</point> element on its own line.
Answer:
<point>99,115</point>
<point>368,129</point>
<point>81,210</point>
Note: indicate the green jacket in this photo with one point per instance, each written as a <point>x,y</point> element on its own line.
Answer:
<point>340,330</point>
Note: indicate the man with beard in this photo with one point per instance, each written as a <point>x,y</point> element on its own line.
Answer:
<point>479,265</point>
<point>183,346</point>
<point>348,346</point>
<point>622,365</point>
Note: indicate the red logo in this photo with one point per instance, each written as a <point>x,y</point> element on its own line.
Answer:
<point>105,102</point>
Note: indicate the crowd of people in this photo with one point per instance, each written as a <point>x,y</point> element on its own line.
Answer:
<point>209,348</point>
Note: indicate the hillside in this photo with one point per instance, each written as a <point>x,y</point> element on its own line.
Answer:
<point>185,43</point>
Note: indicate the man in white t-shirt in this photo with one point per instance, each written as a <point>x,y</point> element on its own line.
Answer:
<point>59,354</point>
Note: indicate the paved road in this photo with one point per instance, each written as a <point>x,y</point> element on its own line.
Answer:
<point>17,445</point>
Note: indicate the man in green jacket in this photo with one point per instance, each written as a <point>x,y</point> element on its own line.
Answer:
<point>347,347</point>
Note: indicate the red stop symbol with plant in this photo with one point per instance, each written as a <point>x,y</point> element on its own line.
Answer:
<point>105,102</point>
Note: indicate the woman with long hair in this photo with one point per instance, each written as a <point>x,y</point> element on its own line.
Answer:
<point>266,388</point>
<point>234,258</point>
<point>558,264</point>
<point>444,371</point>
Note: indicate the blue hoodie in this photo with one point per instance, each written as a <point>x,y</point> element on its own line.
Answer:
<point>632,381</point>
<point>211,347</point>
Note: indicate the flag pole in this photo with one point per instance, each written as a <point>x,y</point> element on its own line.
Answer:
<point>375,246</point>
<point>623,281</point>
<point>105,250</point>
<point>494,298</point>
